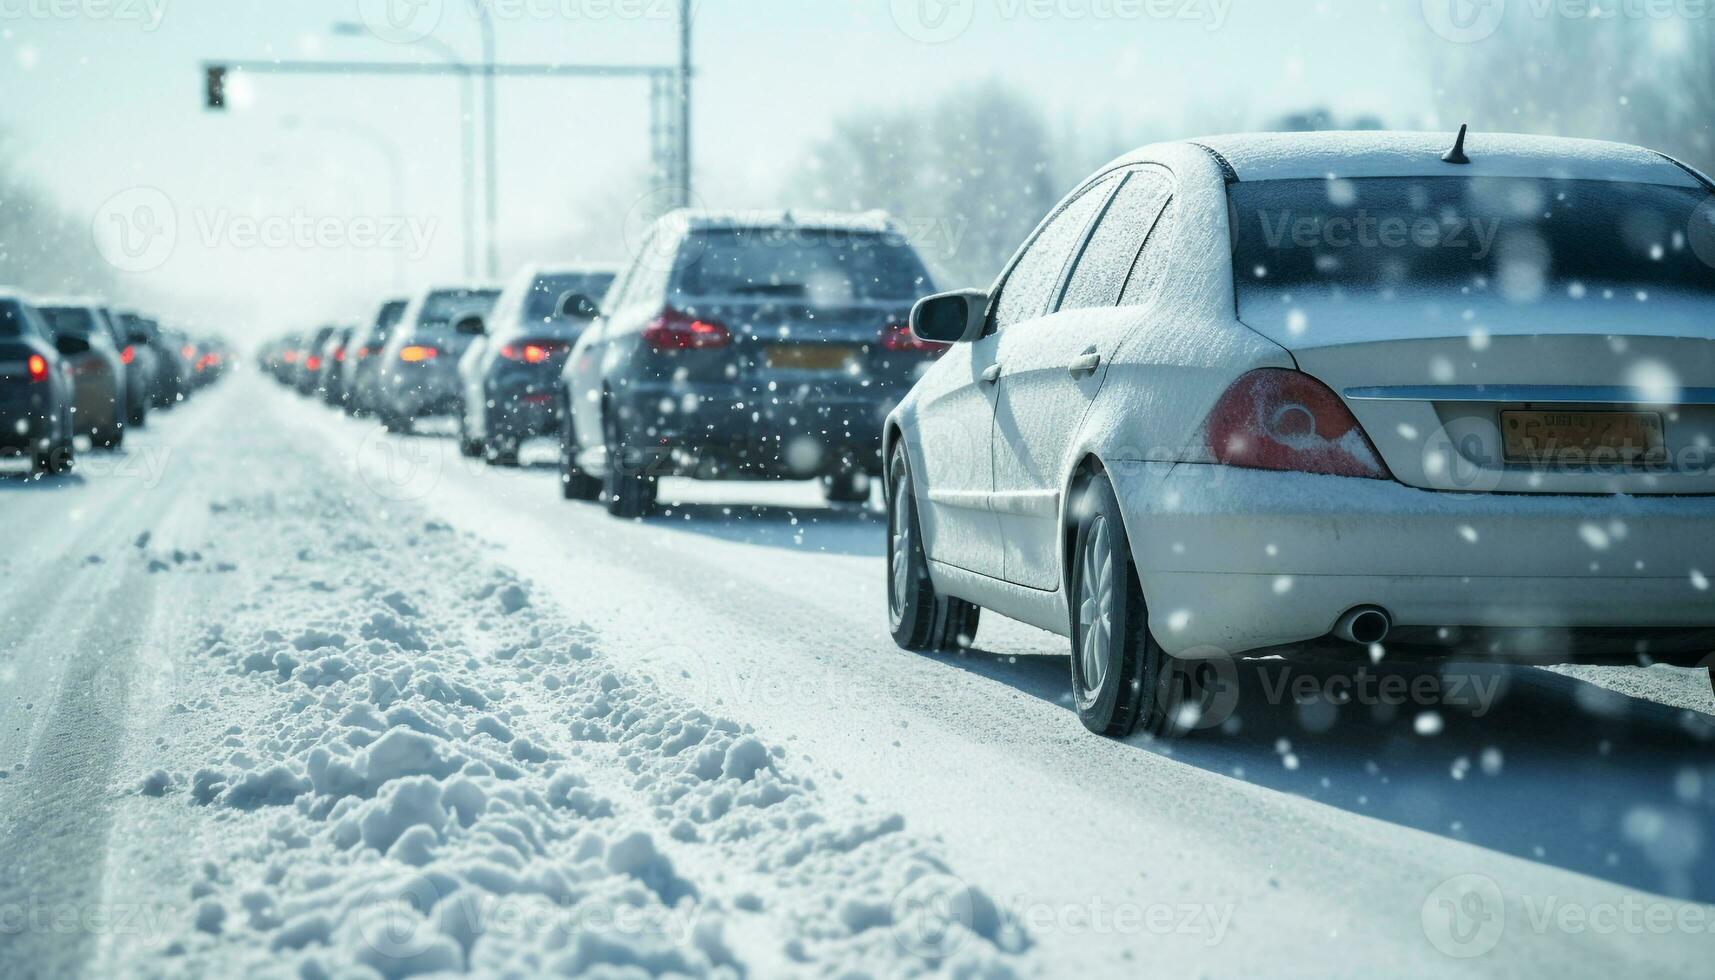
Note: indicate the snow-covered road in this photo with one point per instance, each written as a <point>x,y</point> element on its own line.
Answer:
<point>283,692</point>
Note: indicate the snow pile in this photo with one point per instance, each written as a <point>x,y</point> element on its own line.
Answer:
<point>395,775</point>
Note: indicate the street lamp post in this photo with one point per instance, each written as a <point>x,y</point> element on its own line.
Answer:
<point>467,133</point>
<point>490,175</point>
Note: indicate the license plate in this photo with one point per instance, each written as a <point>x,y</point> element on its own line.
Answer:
<point>809,357</point>
<point>1583,437</point>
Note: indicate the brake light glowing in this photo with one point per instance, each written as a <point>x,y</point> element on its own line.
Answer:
<point>291,357</point>
<point>188,351</point>
<point>314,363</point>
<point>1276,419</point>
<point>38,368</point>
<point>673,330</point>
<point>339,354</point>
<point>531,352</point>
<point>898,338</point>
<point>128,355</point>
<point>417,355</point>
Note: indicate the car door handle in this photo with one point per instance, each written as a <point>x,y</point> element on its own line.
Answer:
<point>1087,363</point>
<point>991,374</point>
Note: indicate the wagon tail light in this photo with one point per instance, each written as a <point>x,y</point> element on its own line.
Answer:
<point>532,351</point>
<point>38,368</point>
<point>417,355</point>
<point>673,330</point>
<point>1275,419</point>
<point>898,338</point>
<point>129,354</point>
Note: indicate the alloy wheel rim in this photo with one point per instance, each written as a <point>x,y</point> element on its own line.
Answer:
<point>1096,607</point>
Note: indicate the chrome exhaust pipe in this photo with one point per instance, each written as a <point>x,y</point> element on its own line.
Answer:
<point>1364,625</point>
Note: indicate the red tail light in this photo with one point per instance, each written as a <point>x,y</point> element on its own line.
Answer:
<point>314,363</point>
<point>128,355</point>
<point>188,351</point>
<point>417,355</point>
<point>363,352</point>
<point>532,351</point>
<point>38,368</point>
<point>1285,420</point>
<point>673,330</point>
<point>898,338</point>
<point>339,354</point>
<point>291,357</point>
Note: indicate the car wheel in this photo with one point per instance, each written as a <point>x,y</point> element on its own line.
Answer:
<point>625,488</point>
<point>575,484</point>
<point>846,487</point>
<point>919,619</point>
<point>138,417</point>
<point>472,448</point>
<point>396,424</point>
<point>111,437</point>
<point>1122,681</point>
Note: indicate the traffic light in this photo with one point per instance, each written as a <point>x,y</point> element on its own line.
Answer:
<point>216,94</point>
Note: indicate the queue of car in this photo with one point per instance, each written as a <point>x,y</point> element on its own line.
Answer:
<point>75,367</point>
<point>1195,419</point>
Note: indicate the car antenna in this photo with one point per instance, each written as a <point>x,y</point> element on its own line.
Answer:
<point>1457,154</point>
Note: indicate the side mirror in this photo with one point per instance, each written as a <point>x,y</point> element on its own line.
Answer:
<point>577,306</point>
<point>71,346</point>
<point>471,326</point>
<point>951,318</point>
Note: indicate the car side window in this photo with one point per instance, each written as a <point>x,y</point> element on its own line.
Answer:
<point>1030,286</point>
<point>1099,277</point>
<point>1150,272</point>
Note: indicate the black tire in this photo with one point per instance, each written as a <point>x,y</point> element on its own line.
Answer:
<point>396,424</point>
<point>501,449</point>
<point>846,487</point>
<point>138,416</point>
<point>575,483</point>
<point>468,446</point>
<point>920,619</point>
<point>109,437</point>
<point>1122,681</point>
<point>626,489</point>
<point>57,461</point>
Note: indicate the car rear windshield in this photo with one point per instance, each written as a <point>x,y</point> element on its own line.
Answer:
<point>445,308</point>
<point>545,293</point>
<point>11,319</point>
<point>1474,239</point>
<point>70,321</point>
<point>822,267</point>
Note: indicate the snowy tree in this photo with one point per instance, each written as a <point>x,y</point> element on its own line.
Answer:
<point>42,249</point>
<point>969,176</point>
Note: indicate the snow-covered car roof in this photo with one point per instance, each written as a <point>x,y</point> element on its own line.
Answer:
<point>573,268</point>
<point>692,219</point>
<point>80,302</point>
<point>1288,156</point>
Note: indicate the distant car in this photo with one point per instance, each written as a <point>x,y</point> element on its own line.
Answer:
<point>363,360</point>
<point>98,373</point>
<point>37,390</point>
<point>511,374</point>
<point>307,377</point>
<point>1459,402</point>
<point>331,382</point>
<point>141,365</point>
<point>744,347</point>
<point>419,375</point>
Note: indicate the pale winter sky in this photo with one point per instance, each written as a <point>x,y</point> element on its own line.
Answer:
<point>102,97</point>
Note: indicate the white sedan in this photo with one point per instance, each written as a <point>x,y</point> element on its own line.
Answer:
<point>1262,395</point>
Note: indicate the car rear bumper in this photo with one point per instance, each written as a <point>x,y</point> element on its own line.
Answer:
<point>729,432</point>
<point>422,390</point>
<point>1235,560</point>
